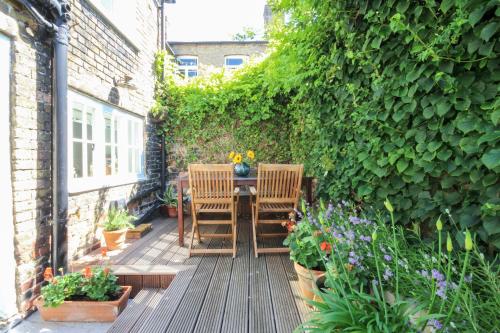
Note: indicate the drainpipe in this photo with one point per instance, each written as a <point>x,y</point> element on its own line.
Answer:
<point>60,140</point>
<point>58,26</point>
<point>162,46</point>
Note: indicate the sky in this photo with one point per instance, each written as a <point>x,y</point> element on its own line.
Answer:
<point>210,20</point>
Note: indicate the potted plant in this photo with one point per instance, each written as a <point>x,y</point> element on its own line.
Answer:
<point>169,202</point>
<point>116,224</point>
<point>242,164</point>
<point>89,296</point>
<point>307,260</point>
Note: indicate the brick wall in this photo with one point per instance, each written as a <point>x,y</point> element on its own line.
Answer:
<point>99,56</point>
<point>211,54</point>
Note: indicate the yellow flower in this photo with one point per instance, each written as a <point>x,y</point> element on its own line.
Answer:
<point>237,158</point>
<point>231,155</point>
<point>250,154</point>
<point>468,240</point>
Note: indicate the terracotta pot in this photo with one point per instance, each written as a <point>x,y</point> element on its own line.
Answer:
<point>170,211</point>
<point>85,311</point>
<point>114,239</point>
<point>307,280</point>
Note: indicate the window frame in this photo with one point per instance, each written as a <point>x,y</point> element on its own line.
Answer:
<point>187,68</point>
<point>243,57</point>
<point>119,141</point>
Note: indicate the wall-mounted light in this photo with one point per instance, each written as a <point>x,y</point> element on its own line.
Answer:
<point>126,81</point>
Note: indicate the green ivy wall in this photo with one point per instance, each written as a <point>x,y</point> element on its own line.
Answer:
<point>396,99</point>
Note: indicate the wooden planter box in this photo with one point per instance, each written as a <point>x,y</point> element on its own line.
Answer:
<point>139,231</point>
<point>85,311</point>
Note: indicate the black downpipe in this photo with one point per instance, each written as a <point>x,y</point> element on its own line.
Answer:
<point>162,45</point>
<point>60,140</point>
<point>58,26</point>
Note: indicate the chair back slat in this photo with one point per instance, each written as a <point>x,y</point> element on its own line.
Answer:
<point>279,183</point>
<point>211,183</point>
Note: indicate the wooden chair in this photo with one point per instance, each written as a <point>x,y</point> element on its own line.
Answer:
<point>212,191</point>
<point>278,191</point>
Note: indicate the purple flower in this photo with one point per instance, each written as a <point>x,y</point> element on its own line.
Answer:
<point>441,292</point>
<point>367,222</point>
<point>387,257</point>
<point>354,220</point>
<point>437,275</point>
<point>436,324</point>
<point>365,238</point>
<point>375,282</point>
<point>353,261</point>
<point>349,235</point>
<point>336,234</point>
<point>329,211</point>
<point>424,273</point>
<point>468,278</point>
<point>387,274</point>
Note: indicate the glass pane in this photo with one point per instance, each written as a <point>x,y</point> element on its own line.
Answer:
<point>77,124</point>
<point>192,73</point>
<point>116,159</point>
<point>234,61</point>
<point>136,134</point>
<point>116,130</point>
<point>90,159</point>
<point>90,124</point>
<point>107,129</point>
<point>108,160</point>
<point>137,158</point>
<point>187,61</point>
<point>77,160</point>
<point>130,138</point>
<point>130,160</point>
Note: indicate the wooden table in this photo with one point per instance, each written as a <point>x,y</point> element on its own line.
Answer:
<point>251,180</point>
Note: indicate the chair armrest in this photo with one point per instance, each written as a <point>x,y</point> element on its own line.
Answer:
<point>253,190</point>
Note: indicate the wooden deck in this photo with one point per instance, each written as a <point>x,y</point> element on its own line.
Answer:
<point>212,293</point>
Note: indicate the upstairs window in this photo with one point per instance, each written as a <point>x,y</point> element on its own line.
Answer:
<point>233,62</point>
<point>187,66</point>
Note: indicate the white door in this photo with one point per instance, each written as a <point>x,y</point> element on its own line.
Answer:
<point>7,262</point>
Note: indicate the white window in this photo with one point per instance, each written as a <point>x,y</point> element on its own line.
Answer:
<point>187,66</point>
<point>122,14</point>
<point>106,145</point>
<point>233,62</point>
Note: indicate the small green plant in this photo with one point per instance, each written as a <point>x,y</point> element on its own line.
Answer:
<point>118,219</point>
<point>96,284</point>
<point>303,249</point>
<point>169,198</point>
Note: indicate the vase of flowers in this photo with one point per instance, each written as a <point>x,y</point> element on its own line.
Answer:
<point>242,164</point>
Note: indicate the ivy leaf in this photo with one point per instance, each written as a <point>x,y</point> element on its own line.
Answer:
<point>442,108</point>
<point>488,31</point>
<point>446,5</point>
<point>364,190</point>
<point>491,159</point>
<point>491,136</point>
<point>495,117</point>
<point>476,15</point>
<point>402,165</point>
<point>433,146</point>
<point>466,124</point>
<point>444,154</point>
<point>492,227</point>
<point>428,112</point>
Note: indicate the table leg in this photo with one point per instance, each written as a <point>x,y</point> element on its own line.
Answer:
<point>180,213</point>
<point>309,190</point>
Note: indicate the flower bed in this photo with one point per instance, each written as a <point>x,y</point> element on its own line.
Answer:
<point>384,278</point>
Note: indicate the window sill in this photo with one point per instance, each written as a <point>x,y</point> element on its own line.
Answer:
<point>89,185</point>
